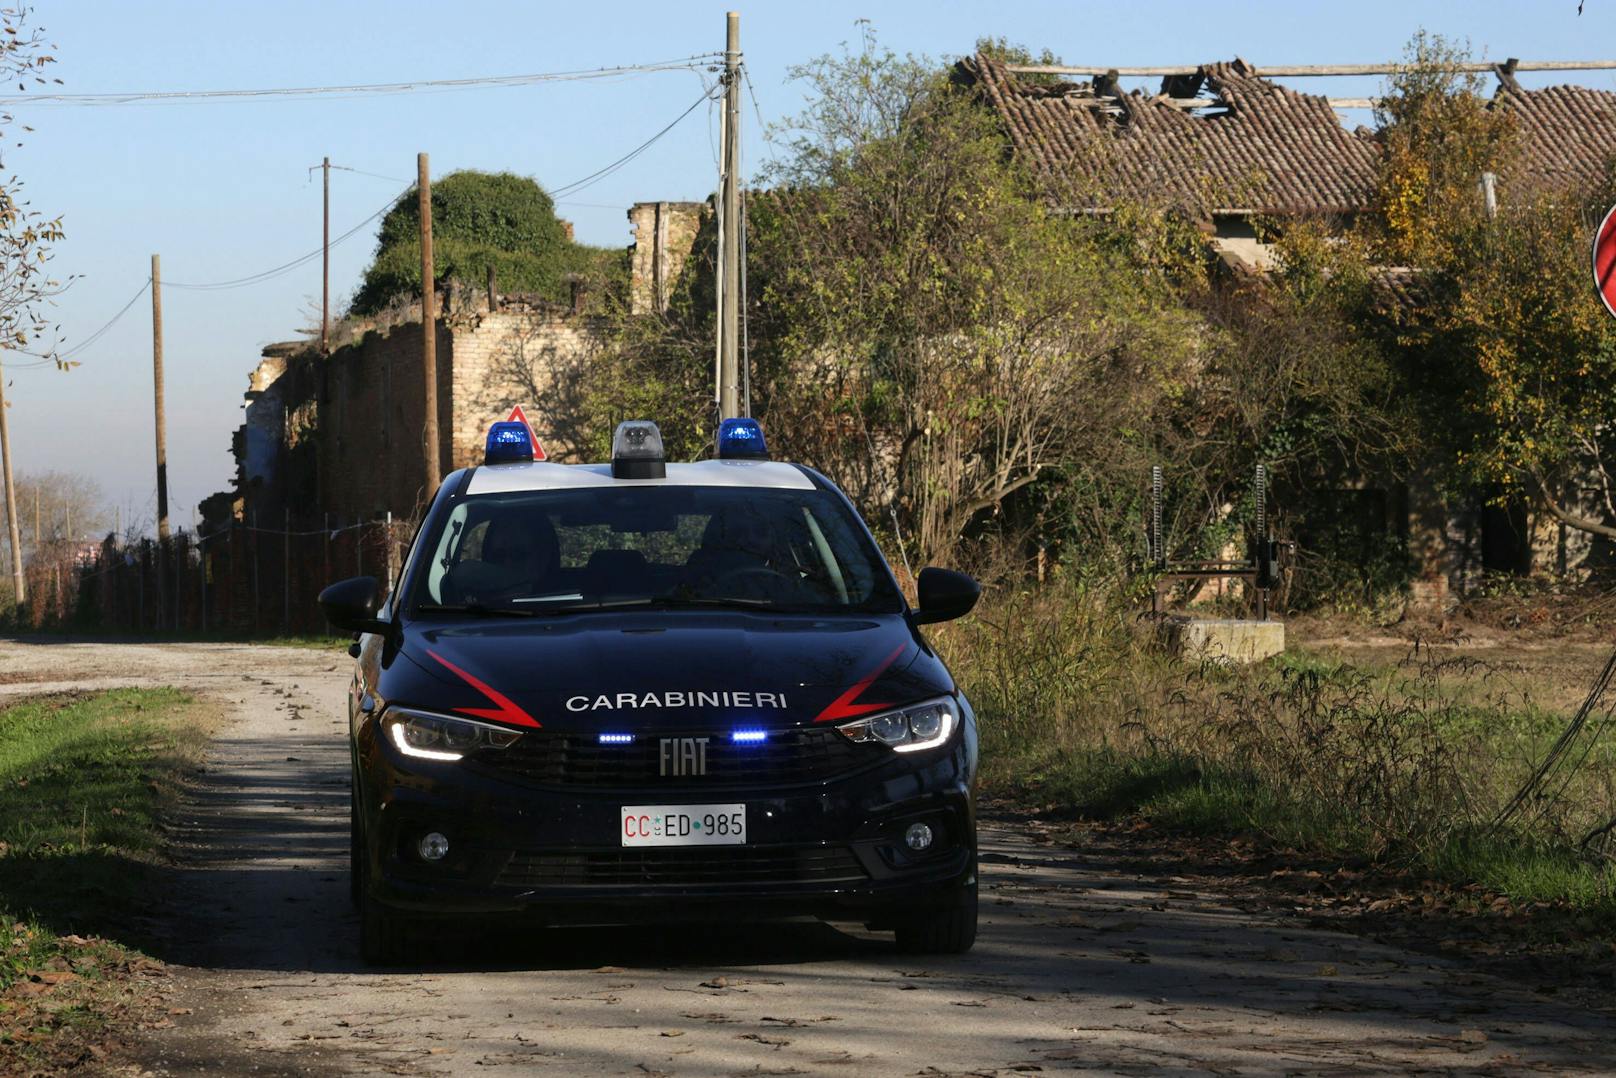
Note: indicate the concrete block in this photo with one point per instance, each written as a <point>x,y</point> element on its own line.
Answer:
<point>1230,639</point>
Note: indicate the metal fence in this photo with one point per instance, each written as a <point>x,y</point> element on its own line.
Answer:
<point>243,580</point>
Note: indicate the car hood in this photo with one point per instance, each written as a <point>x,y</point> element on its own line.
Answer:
<point>664,669</point>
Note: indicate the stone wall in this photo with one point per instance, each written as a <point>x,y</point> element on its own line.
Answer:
<point>664,235</point>
<point>341,435</point>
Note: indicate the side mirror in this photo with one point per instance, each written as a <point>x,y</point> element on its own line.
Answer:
<point>945,595</point>
<point>350,605</point>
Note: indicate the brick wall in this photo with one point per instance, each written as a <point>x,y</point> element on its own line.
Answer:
<point>360,410</point>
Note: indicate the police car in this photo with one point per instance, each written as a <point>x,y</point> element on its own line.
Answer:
<point>655,692</point>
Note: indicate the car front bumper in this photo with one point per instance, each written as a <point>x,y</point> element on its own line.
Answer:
<point>833,849</point>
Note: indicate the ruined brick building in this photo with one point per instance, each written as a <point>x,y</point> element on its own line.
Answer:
<point>336,439</point>
<point>1225,146</point>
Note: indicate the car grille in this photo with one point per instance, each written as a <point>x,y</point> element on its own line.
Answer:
<point>683,867</point>
<point>788,757</point>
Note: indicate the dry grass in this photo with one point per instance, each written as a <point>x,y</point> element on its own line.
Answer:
<point>1404,761</point>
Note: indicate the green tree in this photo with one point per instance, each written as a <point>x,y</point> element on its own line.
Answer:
<point>479,220</point>
<point>1510,353</point>
<point>932,332</point>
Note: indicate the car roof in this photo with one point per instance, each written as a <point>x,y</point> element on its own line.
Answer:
<point>543,475</point>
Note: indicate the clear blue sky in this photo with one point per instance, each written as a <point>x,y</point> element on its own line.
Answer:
<point>223,190</point>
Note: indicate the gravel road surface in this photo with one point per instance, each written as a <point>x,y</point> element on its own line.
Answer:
<point>1081,965</point>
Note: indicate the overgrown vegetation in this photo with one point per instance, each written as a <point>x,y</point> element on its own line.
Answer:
<point>84,779</point>
<point>1403,765</point>
<point>480,220</point>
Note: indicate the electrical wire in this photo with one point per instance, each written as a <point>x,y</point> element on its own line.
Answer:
<point>358,172</point>
<point>146,97</point>
<point>285,267</point>
<point>600,174</point>
<point>98,334</point>
<point>1557,755</point>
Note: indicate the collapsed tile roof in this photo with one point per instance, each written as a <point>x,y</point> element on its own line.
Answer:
<point>1567,133</point>
<point>1257,147</point>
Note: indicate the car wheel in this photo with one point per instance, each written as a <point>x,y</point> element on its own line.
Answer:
<point>356,846</point>
<point>383,935</point>
<point>947,931</point>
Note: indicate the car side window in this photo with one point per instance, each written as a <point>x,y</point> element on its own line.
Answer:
<point>450,546</point>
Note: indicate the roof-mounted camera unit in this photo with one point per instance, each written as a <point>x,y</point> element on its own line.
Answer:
<point>637,451</point>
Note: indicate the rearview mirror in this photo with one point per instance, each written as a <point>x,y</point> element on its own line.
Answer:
<point>944,595</point>
<point>350,605</point>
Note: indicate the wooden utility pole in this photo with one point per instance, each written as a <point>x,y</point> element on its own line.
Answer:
<point>325,262</point>
<point>11,500</point>
<point>162,436</point>
<point>429,330</point>
<point>729,381</point>
<point>157,396</point>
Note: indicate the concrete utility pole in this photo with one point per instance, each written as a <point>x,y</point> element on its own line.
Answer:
<point>11,499</point>
<point>729,380</point>
<point>325,262</point>
<point>157,395</point>
<point>429,330</point>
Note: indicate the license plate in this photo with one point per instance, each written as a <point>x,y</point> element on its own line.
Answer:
<point>684,825</point>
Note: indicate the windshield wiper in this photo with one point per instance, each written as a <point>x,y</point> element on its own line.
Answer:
<point>721,600</point>
<point>477,609</point>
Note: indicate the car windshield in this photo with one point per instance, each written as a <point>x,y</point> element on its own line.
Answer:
<point>539,552</point>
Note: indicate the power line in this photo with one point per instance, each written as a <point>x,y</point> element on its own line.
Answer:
<point>360,172</point>
<point>302,260</point>
<point>286,267</point>
<point>98,334</point>
<point>595,177</point>
<point>147,97</point>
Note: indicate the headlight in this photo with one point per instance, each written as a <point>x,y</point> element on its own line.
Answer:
<point>426,736</point>
<point>910,729</point>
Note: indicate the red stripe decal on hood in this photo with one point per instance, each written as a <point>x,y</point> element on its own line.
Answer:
<point>843,706</point>
<point>507,711</point>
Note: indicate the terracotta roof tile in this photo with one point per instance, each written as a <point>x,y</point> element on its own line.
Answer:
<point>1267,148</point>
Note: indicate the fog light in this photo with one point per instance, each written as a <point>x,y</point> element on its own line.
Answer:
<point>918,837</point>
<point>434,847</point>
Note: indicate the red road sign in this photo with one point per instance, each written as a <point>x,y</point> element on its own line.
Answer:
<point>519,416</point>
<point>1605,260</point>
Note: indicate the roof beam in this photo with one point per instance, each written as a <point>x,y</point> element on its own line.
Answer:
<point>1305,70</point>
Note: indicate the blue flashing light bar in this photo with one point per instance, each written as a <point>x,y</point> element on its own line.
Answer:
<point>508,443</point>
<point>748,737</point>
<point>616,739</point>
<point>741,439</point>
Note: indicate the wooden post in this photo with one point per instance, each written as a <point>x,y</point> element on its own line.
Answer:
<point>258,603</point>
<point>157,397</point>
<point>729,396</point>
<point>11,501</point>
<point>286,574</point>
<point>429,333</point>
<point>162,435</point>
<point>325,262</point>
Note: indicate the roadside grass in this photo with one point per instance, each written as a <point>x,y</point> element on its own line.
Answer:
<point>1402,765</point>
<point>84,780</point>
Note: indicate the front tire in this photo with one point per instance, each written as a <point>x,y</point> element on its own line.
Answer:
<point>947,931</point>
<point>356,846</point>
<point>383,936</point>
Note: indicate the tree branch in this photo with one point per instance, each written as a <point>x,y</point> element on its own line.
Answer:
<point>1568,518</point>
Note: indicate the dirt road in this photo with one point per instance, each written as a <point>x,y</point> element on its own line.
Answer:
<point>1081,965</point>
